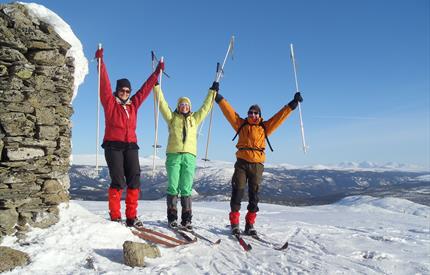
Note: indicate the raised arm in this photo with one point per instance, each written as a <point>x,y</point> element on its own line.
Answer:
<point>165,110</point>
<point>206,107</point>
<point>106,96</point>
<point>146,88</point>
<point>275,121</point>
<point>228,111</point>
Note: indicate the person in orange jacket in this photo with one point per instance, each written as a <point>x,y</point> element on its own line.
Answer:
<point>120,140</point>
<point>253,132</point>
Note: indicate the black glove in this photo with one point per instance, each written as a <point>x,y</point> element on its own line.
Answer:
<point>297,98</point>
<point>215,86</point>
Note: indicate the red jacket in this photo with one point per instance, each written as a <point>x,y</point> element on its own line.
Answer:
<point>120,120</point>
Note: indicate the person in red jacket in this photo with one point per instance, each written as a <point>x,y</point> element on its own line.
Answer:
<point>120,141</point>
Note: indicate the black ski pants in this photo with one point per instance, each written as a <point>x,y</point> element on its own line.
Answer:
<point>246,172</point>
<point>124,168</point>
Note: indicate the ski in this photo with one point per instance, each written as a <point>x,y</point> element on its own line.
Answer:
<point>199,236</point>
<point>246,246</point>
<point>269,243</point>
<point>183,234</point>
<point>153,239</point>
<point>160,234</point>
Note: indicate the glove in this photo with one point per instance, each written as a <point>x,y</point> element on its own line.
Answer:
<point>99,53</point>
<point>160,67</point>
<point>215,86</point>
<point>297,98</point>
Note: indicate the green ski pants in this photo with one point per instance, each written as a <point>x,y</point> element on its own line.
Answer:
<point>180,173</point>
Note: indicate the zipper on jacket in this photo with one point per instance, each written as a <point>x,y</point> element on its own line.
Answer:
<point>126,125</point>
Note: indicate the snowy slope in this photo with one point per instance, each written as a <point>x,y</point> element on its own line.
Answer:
<point>359,235</point>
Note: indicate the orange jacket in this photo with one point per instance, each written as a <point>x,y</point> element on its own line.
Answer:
<point>252,134</point>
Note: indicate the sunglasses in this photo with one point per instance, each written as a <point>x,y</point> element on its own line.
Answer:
<point>252,113</point>
<point>127,91</point>
<point>184,105</point>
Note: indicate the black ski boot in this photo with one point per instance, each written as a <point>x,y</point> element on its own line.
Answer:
<point>235,229</point>
<point>172,212</point>
<point>250,230</point>
<point>172,217</point>
<point>186,213</point>
<point>134,223</point>
<point>186,220</point>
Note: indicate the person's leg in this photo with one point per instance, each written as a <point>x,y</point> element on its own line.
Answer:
<point>114,160</point>
<point>132,176</point>
<point>114,198</point>
<point>186,178</point>
<point>172,210</point>
<point>186,215</point>
<point>255,173</point>
<point>173,166</point>
<point>238,183</point>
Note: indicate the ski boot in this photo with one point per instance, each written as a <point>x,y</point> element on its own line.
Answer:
<point>186,220</point>
<point>235,229</point>
<point>250,230</point>
<point>134,223</point>
<point>173,224</point>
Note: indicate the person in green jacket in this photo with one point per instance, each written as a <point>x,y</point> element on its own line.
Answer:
<point>181,152</point>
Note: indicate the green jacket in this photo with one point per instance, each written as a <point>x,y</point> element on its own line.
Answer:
<point>183,129</point>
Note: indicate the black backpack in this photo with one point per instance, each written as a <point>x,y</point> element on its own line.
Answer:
<point>265,135</point>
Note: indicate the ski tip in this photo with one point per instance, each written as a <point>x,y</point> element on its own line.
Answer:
<point>285,246</point>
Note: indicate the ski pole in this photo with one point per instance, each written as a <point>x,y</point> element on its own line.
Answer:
<point>156,125</point>
<point>302,129</point>
<point>219,73</point>
<point>98,114</point>
<point>229,50</point>
<point>210,119</point>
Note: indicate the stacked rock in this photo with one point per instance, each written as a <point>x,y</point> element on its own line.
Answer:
<point>36,88</point>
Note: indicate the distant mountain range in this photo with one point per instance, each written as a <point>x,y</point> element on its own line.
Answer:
<point>282,184</point>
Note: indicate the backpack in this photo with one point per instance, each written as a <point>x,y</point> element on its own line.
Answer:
<point>265,135</point>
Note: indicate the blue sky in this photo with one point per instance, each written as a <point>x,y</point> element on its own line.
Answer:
<point>363,69</point>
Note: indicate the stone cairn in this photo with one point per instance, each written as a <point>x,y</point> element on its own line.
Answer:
<point>36,87</point>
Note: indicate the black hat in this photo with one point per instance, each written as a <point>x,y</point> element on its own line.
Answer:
<point>256,108</point>
<point>121,83</point>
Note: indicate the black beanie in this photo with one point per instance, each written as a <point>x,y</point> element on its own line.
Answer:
<point>121,83</point>
<point>255,107</point>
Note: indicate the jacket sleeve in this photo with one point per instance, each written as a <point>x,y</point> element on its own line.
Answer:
<point>275,121</point>
<point>166,112</point>
<point>106,97</point>
<point>206,107</point>
<point>145,90</point>
<point>230,114</point>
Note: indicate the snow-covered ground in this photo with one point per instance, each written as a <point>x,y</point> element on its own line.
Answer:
<point>359,235</point>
